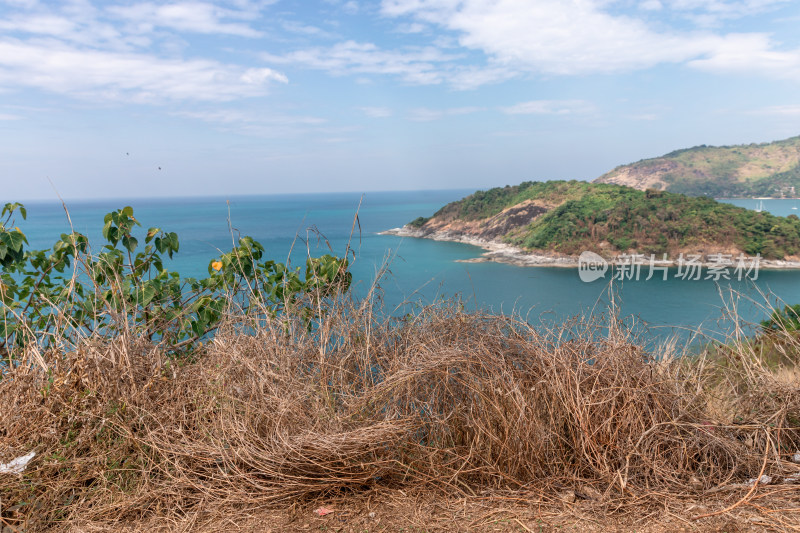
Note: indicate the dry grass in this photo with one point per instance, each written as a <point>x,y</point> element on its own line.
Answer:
<point>446,402</point>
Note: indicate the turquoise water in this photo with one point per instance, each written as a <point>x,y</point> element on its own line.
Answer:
<point>420,271</point>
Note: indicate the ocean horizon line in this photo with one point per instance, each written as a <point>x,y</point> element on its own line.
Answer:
<point>237,196</point>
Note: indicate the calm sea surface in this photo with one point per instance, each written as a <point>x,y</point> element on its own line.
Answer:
<point>422,271</point>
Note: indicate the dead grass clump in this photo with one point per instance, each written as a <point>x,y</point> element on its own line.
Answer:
<point>446,400</point>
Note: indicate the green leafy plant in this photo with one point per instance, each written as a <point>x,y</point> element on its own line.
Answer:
<point>418,222</point>
<point>786,319</point>
<point>49,297</point>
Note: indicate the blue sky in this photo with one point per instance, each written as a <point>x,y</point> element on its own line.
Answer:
<point>132,99</point>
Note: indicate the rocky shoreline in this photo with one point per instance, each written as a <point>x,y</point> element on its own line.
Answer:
<point>500,252</point>
<point>496,251</point>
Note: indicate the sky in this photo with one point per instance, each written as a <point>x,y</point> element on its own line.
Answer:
<point>183,98</point>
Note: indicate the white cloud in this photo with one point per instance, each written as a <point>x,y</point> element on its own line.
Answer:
<point>4,116</point>
<point>259,76</point>
<point>554,37</point>
<point>234,116</point>
<point>651,5</point>
<point>114,25</point>
<point>414,27</point>
<point>78,24</point>
<point>472,77</point>
<point>779,110</point>
<point>196,17</point>
<point>114,76</point>
<point>549,107</point>
<point>351,7</point>
<point>423,114</point>
<point>307,30</point>
<point>28,4</point>
<point>577,37</point>
<point>718,10</point>
<point>376,112</point>
<point>261,123</point>
<point>752,54</point>
<point>714,13</point>
<point>40,24</point>
<point>414,65</point>
<point>644,116</point>
<point>109,53</point>
<point>429,65</point>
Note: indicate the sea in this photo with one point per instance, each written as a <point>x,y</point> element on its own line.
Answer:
<point>412,273</point>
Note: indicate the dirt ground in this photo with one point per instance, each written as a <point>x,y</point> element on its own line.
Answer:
<point>777,509</point>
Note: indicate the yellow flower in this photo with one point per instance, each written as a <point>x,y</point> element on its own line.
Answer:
<point>217,265</point>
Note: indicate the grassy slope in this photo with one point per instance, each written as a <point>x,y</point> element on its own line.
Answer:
<point>604,217</point>
<point>768,169</point>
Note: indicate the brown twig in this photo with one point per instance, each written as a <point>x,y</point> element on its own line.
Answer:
<point>752,489</point>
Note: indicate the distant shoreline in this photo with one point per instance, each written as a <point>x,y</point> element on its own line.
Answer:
<point>756,198</point>
<point>500,252</point>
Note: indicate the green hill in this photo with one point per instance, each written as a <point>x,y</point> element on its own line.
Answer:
<point>569,217</point>
<point>753,170</point>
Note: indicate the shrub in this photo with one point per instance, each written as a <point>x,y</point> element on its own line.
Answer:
<point>59,296</point>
